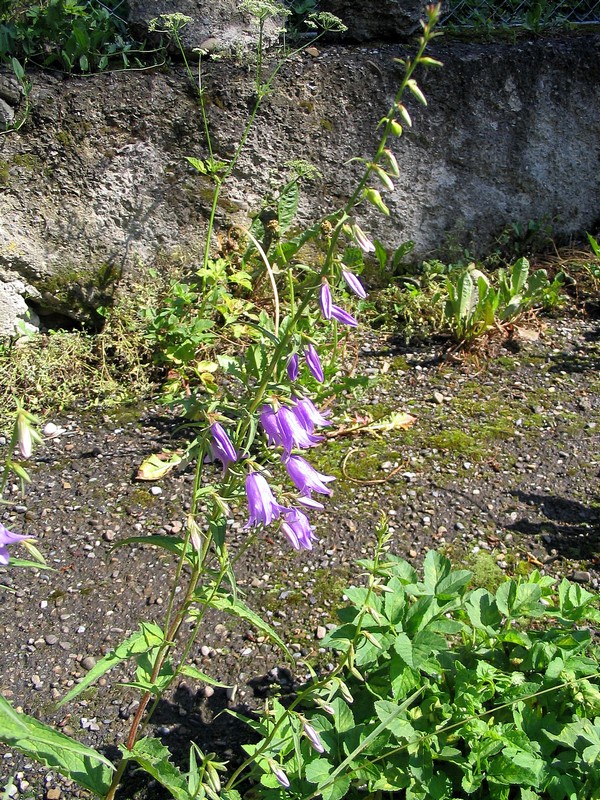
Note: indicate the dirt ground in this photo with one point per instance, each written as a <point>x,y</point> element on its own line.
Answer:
<point>499,471</point>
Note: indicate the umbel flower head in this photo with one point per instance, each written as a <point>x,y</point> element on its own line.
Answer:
<point>6,538</point>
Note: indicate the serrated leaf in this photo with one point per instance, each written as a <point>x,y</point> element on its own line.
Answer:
<point>287,205</point>
<point>197,164</point>
<point>55,750</point>
<point>139,642</point>
<point>155,759</point>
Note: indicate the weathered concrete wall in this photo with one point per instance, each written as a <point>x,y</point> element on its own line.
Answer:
<point>97,182</point>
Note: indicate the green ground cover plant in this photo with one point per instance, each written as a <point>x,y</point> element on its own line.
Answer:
<point>444,692</point>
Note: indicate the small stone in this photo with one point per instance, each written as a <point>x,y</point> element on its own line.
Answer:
<point>580,576</point>
<point>321,632</point>
<point>438,398</point>
<point>108,536</point>
<point>88,663</point>
<point>155,490</point>
<point>231,693</point>
<point>53,794</point>
<point>459,526</point>
<point>208,691</point>
<point>51,638</point>
<point>312,51</point>
<point>413,553</point>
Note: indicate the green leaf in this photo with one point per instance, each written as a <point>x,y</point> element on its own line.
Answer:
<point>235,607</point>
<point>55,750</point>
<point>287,205</point>
<point>483,612</point>
<point>400,728</point>
<point>139,642</point>
<point>197,164</point>
<point>514,766</point>
<point>169,543</point>
<point>318,771</point>
<point>192,672</point>
<point>155,759</point>
<point>19,72</point>
<point>337,789</point>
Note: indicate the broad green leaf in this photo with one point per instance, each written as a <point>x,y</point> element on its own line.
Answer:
<point>235,607</point>
<point>139,642</point>
<point>514,766</point>
<point>337,789</point>
<point>343,718</point>
<point>518,276</point>
<point>197,164</point>
<point>403,646</point>
<point>155,759</point>
<point>55,750</point>
<point>483,611</point>
<point>318,771</point>
<point>425,644</point>
<point>400,728</point>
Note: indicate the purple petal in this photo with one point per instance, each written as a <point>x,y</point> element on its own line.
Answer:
<point>293,431</point>
<point>8,537</point>
<point>305,477</point>
<point>354,283</point>
<point>314,363</point>
<point>262,506</point>
<point>293,367</point>
<point>325,300</point>
<point>309,414</point>
<point>221,446</point>
<point>268,419</point>
<point>281,776</point>
<point>297,530</point>
<point>313,737</point>
<point>343,316</point>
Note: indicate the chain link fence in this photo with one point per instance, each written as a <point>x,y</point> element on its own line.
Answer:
<point>489,15</point>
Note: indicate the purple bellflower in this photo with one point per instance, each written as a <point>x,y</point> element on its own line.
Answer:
<point>297,530</point>
<point>6,538</point>
<point>293,430</point>
<point>313,737</point>
<point>314,363</point>
<point>262,506</point>
<point>309,414</point>
<point>353,282</point>
<point>343,316</point>
<point>325,300</point>
<point>293,367</point>
<point>268,419</point>
<point>280,775</point>
<point>306,478</point>
<point>221,446</point>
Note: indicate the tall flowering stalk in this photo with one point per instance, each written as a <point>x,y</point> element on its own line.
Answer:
<point>258,422</point>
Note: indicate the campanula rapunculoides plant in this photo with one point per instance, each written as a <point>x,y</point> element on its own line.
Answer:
<point>260,420</point>
<point>442,692</point>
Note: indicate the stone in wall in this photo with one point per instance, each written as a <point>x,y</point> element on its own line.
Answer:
<point>96,184</point>
<point>377,20</point>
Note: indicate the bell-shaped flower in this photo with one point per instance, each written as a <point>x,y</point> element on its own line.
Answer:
<point>354,283</point>
<point>280,775</point>
<point>6,538</point>
<point>221,446</point>
<point>296,528</point>
<point>343,316</point>
<point>293,431</point>
<point>314,363</point>
<point>309,414</point>
<point>325,300</point>
<point>293,367</point>
<point>362,240</point>
<point>305,477</point>
<point>268,420</point>
<point>262,506</point>
<point>313,737</point>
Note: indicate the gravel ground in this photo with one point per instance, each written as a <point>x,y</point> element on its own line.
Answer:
<point>499,470</point>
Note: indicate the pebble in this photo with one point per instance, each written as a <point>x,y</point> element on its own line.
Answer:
<point>208,691</point>
<point>88,663</point>
<point>438,398</point>
<point>580,576</point>
<point>51,638</point>
<point>155,490</point>
<point>53,794</point>
<point>321,632</point>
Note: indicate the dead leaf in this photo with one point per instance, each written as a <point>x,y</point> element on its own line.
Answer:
<point>157,466</point>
